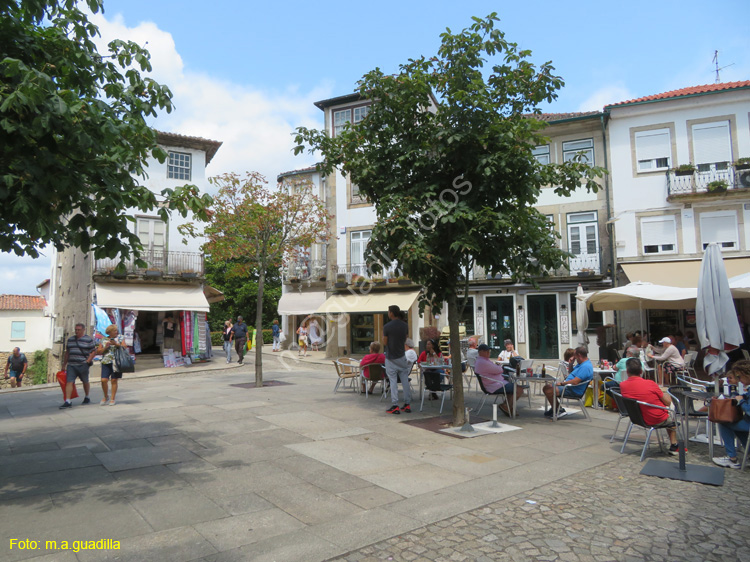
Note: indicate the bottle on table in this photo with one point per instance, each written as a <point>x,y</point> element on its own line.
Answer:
<point>544,370</point>
<point>518,368</point>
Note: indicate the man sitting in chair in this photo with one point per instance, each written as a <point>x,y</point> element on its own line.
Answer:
<point>575,383</point>
<point>493,379</point>
<point>645,390</point>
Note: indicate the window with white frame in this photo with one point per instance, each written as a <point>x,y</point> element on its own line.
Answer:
<point>179,166</point>
<point>359,240</point>
<point>18,330</point>
<point>720,227</point>
<point>712,146</point>
<point>659,235</point>
<point>572,148</point>
<point>652,150</point>
<point>360,113</point>
<point>583,235</point>
<point>541,153</point>
<point>340,119</point>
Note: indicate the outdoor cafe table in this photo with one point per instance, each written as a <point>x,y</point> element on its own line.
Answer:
<point>598,379</point>
<point>536,379</point>
<point>439,366</point>
<point>685,395</point>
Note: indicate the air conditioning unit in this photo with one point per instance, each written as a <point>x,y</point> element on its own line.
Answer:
<point>59,334</point>
<point>743,178</point>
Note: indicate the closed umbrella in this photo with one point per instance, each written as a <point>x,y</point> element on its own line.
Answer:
<point>582,317</point>
<point>716,318</point>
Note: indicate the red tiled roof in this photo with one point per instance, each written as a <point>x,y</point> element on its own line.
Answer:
<point>199,143</point>
<point>551,117</point>
<point>691,91</point>
<point>22,302</point>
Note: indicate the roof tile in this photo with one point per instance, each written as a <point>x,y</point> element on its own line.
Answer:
<point>691,91</point>
<point>22,302</point>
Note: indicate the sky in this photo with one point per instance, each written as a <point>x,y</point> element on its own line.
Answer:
<point>247,73</point>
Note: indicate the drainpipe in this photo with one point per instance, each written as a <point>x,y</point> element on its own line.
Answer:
<point>604,119</point>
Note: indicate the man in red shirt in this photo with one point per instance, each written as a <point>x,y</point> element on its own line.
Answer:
<point>648,391</point>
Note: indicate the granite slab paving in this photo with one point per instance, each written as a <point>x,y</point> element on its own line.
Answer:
<point>190,467</point>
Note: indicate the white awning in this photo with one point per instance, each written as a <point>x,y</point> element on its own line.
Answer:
<point>371,302</point>
<point>212,295</point>
<point>154,297</point>
<point>301,303</point>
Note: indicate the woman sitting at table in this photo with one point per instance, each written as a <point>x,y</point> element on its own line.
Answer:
<point>506,355</point>
<point>730,431</point>
<point>673,361</point>
<point>432,376</point>
<point>373,357</point>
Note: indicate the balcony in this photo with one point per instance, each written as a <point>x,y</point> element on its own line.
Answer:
<point>304,270</point>
<point>160,263</point>
<point>582,265</point>
<point>737,181</point>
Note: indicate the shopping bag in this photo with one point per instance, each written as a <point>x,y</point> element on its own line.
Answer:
<point>724,410</point>
<point>123,361</point>
<point>282,337</point>
<point>62,378</point>
<point>588,399</point>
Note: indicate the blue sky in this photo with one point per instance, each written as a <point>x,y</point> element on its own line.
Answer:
<point>247,73</point>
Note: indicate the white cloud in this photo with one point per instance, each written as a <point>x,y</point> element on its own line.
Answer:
<point>254,124</point>
<point>607,95</point>
<point>21,275</point>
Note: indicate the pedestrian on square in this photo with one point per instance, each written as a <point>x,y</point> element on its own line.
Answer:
<point>79,352</point>
<point>17,365</point>
<point>227,335</point>
<point>397,366</point>
<point>302,338</point>
<point>275,333</point>
<point>109,374</point>
<point>239,336</point>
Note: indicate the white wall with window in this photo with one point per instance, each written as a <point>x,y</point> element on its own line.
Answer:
<point>340,117</point>
<point>27,329</point>
<point>583,241</point>
<point>712,146</point>
<point>659,235</point>
<point>652,149</point>
<point>720,227</point>
<point>179,165</point>
<point>358,240</point>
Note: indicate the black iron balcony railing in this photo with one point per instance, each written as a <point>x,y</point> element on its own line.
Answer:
<point>304,270</point>
<point>712,182</point>
<point>158,262</point>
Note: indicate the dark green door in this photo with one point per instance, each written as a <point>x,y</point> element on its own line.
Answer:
<point>543,326</point>
<point>501,324</point>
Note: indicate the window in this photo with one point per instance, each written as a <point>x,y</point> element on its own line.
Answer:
<point>18,330</point>
<point>652,149</point>
<point>359,240</point>
<point>583,235</point>
<point>360,113</point>
<point>340,118</point>
<point>572,148</point>
<point>541,153</point>
<point>596,318</point>
<point>152,233</point>
<point>659,235</point>
<point>178,167</point>
<point>712,147</point>
<point>720,227</point>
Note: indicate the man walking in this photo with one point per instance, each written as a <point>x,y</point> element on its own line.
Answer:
<point>396,365</point>
<point>78,353</point>
<point>239,335</point>
<point>17,365</point>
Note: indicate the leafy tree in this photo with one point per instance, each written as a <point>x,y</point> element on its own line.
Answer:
<point>445,155</point>
<point>73,133</point>
<point>253,229</point>
<point>241,293</point>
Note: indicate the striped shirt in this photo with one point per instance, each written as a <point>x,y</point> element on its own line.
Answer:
<point>79,349</point>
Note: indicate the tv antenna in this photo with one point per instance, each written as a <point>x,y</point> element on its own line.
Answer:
<point>716,65</point>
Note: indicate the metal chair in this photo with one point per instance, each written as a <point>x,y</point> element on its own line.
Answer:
<point>485,393</point>
<point>579,399</point>
<point>621,410</point>
<point>345,372</point>
<point>439,387</point>
<point>526,364</point>
<point>376,372</point>
<point>676,395</point>
<point>633,407</point>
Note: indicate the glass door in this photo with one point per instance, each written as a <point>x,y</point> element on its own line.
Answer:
<point>583,242</point>
<point>501,323</point>
<point>543,338</point>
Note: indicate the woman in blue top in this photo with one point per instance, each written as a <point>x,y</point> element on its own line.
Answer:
<point>728,431</point>
<point>275,331</point>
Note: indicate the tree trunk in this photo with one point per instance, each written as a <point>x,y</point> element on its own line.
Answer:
<point>459,415</point>
<point>259,330</point>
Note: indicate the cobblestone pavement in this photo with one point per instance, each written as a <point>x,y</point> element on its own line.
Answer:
<point>609,513</point>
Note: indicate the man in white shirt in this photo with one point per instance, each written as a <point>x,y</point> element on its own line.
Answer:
<point>411,355</point>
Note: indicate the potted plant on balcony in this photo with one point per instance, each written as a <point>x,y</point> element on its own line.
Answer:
<point>340,281</point>
<point>379,281</point>
<point>717,186</point>
<point>585,272</point>
<point>403,280</point>
<point>742,163</point>
<point>684,170</point>
<point>188,274</point>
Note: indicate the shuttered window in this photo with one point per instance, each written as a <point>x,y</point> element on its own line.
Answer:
<point>652,149</point>
<point>720,227</point>
<point>659,235</point>
<point>712,147</point>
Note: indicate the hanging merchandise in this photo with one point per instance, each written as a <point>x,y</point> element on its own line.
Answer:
<point>128,326</point>
<point>117,319</point>
<point>196,336</point>
<point>187,346</point>
<point>201,324</point>
<point>102,321</point>
<point>137,343</point>
<point>207,340</point>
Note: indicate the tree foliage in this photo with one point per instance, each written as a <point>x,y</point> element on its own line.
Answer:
<point>73,133</point>
<point>253,229</point>
<point>445,155</point>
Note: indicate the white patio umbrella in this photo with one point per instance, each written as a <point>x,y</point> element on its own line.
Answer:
<point>740,286</point>
<point>582,317</point>
<point>641,296</point>
<point>716,318</point>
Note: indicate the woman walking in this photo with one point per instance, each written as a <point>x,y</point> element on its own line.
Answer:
<point>107,351</point>
<point>275,331</point>
<point>228,340</point>
<point>302,339</point>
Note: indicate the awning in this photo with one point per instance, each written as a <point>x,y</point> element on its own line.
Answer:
<point>301,303</point>
<point>212,294</point>
<point>373,302</point>
<point>679,273</point>
<point>133,296</point>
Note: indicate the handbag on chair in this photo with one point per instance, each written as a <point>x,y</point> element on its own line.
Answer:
<point>724,410</point>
